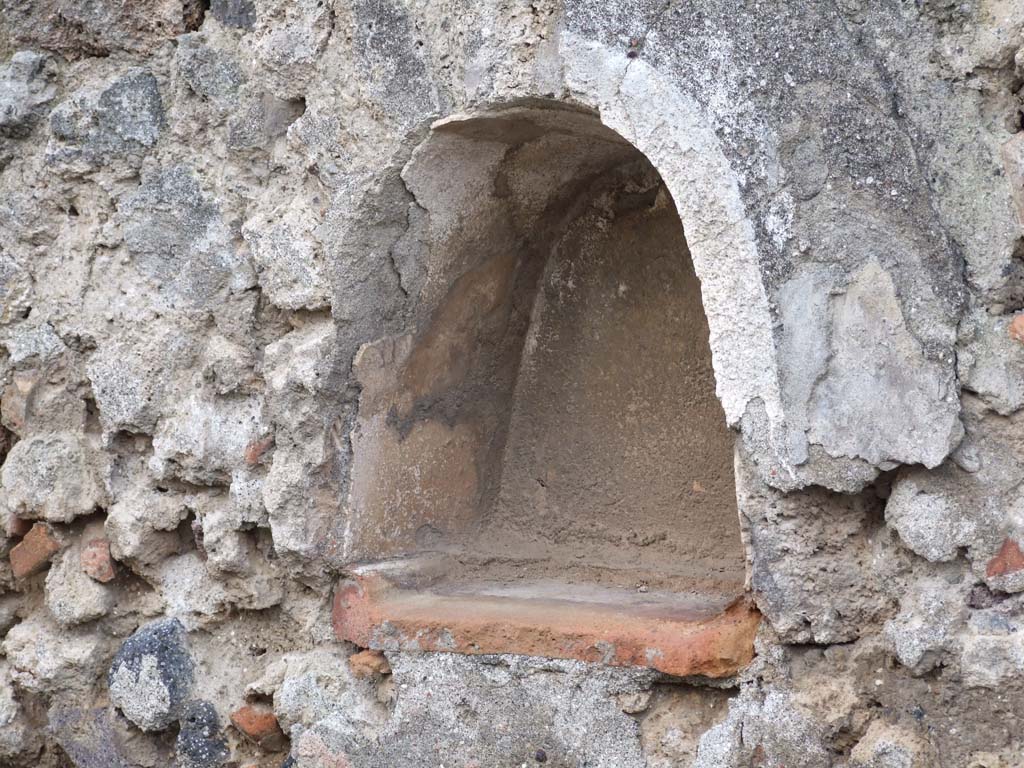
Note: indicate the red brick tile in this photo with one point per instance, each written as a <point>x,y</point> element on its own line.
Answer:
<point>259,725</point>
<point>254,451</point>
<point>1016,328</point>
<point>1008,560</point>
<point>96,560</point>
<point>32,554</point>
<point>17,527</point>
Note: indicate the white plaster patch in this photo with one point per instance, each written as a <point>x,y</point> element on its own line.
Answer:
<point>672,131</point>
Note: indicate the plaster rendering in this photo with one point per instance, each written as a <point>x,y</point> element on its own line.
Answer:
<point>508,383</point>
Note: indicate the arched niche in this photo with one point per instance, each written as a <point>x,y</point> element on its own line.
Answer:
<point>545,440</point>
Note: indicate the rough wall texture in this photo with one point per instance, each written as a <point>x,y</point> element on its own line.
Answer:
<point>209,209</point>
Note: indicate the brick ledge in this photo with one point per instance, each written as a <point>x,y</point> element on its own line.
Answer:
<point>683,637</point>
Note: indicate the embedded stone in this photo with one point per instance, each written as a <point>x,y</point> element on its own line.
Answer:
<point>177,238</point>
<point>240,14</point>
<point>923,633</point>
<point>99,737</point>
<point>450,704</point>
<point>39,400</point>
<point>287,50</point>
<point>990,361</point>
<point>211,73</point>
<point>26,87</point>
<point>206,438</point>
<point>32,554</point>
<point>151,676</point>
<point>310,686</point>
<point>369,663</point>
<point>16,732</point>
<point>200,743</point>
<point>14,406</point>
<point>78,30</point>
<point>141,526</point>
<point>197,594</point>
<point>289,260</point>
<point>257,123</point>
<point>991,656</point>
<point>808,556</point>
<point>71,596</point>
<point>16,289</point>
<point>49,659</point>
<point>888,746</point>
<point>1013,162</point>
<point>127,386</point>
<point>930,520</point>
<point>764,728</point>
<point>123,120</point>
<point>52,477</point>
<point>897,402</point>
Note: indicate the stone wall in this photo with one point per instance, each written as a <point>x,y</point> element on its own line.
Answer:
<point>210,213</point>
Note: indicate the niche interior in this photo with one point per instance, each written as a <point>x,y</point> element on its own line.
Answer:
<point>540,463</point>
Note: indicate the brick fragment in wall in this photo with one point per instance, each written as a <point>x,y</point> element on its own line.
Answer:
<point>17,527</point>
<point>1015,330</point>
<point>254,451</point>
<point>96,561</point>
<point>1008,560</point>
<point>260,725</point>
<point>1005,571</point>
<point>32,554</point>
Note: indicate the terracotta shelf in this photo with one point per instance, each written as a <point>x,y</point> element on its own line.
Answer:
<point>386,609</point>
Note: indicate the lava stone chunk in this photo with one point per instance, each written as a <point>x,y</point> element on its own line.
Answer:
<point>151,677</point>
<point>200,744</point>
<point>240,14</point>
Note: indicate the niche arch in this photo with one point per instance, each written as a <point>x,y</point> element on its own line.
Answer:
<point>545,440</point>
